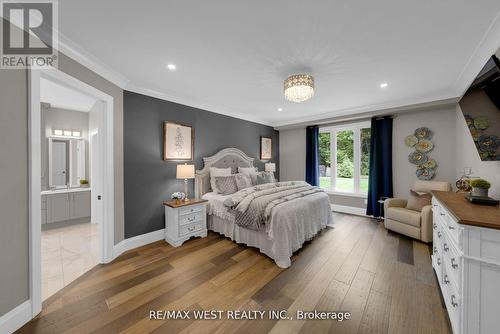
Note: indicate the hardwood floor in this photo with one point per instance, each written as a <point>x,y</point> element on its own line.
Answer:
<point>383,279</point>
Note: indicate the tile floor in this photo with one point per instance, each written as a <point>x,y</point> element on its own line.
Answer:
<point>67,253</point>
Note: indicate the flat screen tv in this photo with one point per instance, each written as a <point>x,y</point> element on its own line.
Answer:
<point>481,108</point>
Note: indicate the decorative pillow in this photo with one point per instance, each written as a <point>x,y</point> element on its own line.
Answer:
<point>214,172</point>
<point>250,171</point>
<point>226,185</point>
<point>265,177</point>
<point>418,200</point>
<point>243,181</point>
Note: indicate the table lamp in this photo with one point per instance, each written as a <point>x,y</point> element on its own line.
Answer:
<point>270,167</point>
<point>185,172</point>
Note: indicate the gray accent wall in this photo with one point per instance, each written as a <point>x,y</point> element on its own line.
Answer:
<point>148,179</point>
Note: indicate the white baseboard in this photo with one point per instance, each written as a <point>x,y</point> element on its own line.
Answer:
<point>348,209</point>
<point>16,318</point>
<point>137,241</point>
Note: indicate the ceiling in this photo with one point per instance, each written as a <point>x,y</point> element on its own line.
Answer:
<point>62,97</point>
<point>232,56</point>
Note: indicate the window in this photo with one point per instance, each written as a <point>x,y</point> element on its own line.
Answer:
<point>344,153</point>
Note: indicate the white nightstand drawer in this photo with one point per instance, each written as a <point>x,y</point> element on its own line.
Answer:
<point>191,218</point>
<point>190,209</point>
<point>188,229</point>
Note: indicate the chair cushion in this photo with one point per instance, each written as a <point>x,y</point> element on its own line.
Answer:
<point>404,216</point>
<point>418,200</point>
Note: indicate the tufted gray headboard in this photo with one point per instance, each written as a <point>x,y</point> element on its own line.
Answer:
<point>228,157</point>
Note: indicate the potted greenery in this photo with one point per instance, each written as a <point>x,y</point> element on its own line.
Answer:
<point>479,187</point>
<point>84,183</point>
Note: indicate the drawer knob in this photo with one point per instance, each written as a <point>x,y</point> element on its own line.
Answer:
<point>446,280</point>
<point>191,219</point>
<point>446,248</point>
<point>453,301</point>
<point>439,262</point>
<point>454,263</point>
<point>434,226</point>
<point>435,249</point>
<point>439,234</point>
<point>191,229</point>
<point>451,227</point>
<point>442,214</point>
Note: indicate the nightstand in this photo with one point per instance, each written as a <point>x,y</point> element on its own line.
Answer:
<point>184,220</point>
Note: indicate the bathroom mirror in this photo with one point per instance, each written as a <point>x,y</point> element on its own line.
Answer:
<point>66,162</point>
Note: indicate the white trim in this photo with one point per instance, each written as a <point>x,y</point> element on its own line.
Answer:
<point>16,318</point>
<point>348,209</point>
<point>106,234</point>
<point>346,194</point>
<point>138,241</point>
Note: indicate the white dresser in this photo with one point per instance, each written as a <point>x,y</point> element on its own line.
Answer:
<point>185,220</point>
<point>466,258</point>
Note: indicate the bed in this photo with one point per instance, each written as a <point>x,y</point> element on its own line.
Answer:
<point>290,222</point>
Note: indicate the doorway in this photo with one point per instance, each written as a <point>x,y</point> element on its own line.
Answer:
<point>71,205</point>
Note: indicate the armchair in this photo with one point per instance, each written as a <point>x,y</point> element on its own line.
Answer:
<point>415,224</point>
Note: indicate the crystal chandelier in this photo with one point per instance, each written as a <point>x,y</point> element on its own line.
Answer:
<point>299,87</point>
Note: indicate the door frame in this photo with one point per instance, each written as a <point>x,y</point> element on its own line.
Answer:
<point>106,229</point>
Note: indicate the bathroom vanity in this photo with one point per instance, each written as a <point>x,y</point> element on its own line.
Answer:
<point>64,205</point>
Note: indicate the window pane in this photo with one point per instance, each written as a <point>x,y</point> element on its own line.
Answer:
<point>324,160</point>
<point>345,161</point>
<point>365,159</point>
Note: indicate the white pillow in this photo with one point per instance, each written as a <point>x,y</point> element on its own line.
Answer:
<point>250,171</point>
<point>214,171</point>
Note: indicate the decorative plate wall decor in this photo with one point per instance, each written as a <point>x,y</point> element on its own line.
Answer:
<point>424,145</point>
<point>481,123</point>
<point>418,158</point>
<point>488,143</point>
<point>421,142</point>
<point>423,133</point>
<point>411,140</point>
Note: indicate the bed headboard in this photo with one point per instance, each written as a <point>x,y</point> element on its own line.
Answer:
<point>228,157</point>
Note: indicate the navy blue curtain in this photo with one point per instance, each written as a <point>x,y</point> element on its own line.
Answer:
<point>312,155</point>
<point>380,182</point>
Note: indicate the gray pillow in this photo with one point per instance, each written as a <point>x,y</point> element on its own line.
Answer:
<point>243,181</point>
<point>226,185</point>
<point>265,177</point>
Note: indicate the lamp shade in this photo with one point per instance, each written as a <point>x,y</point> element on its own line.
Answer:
<point>270,167</point>
<point>185,171</point>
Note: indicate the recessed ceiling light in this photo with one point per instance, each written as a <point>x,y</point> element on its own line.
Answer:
<point>383,85</point>
<point>171,67</point>
<point>280,109</point>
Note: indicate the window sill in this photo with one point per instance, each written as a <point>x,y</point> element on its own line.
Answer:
<point>347,194</point>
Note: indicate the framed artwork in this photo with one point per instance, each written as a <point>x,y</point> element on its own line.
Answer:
<point>266,148</point>
<point>178,141</point>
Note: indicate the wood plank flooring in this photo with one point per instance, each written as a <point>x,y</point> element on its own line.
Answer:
<point>383,279</point>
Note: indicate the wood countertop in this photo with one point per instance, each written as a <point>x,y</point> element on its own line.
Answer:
<point>468,213</point>
<point>178,204</point>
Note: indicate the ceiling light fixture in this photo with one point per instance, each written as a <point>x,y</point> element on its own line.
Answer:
<point>299,87</point>
<point>171,67</point>
<point>383,85</point>
<point>280,109</point>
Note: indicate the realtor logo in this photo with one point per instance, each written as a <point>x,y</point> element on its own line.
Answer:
<point>29,34</point>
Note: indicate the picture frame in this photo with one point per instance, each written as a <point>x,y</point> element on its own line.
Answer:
<point>178,142</point>
<point>266,148</point>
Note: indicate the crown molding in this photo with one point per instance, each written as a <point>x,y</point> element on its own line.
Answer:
<point>192,103</point>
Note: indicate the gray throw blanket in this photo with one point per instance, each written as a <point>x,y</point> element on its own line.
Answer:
<point>253,206</point>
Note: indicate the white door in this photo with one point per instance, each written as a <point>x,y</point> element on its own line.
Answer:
<point>59,165</point>
<point>96,177</point>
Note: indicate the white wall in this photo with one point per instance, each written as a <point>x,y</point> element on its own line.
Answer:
<point>292,154</point>
<point>467,156</point>
<point>442,123</point>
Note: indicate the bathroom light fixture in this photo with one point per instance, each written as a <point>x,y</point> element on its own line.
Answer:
<point>280,109</point>
<point>76,134</point>
<point>171,67</point>
<point>67,133</point>
<point>383,85</point>
<point>58,132</point>
<point>299,87</point>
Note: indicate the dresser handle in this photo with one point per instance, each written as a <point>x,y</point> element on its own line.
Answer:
<point>435,249</point>
<point>439,262</point>
<point>439,234</point>
<point>453,302</point>
<point>434,226</point>
<point>442,214</point>
<point>445,247</point>
<point>453,264</point>
<point>446,280</point>
<point>451,227</point>
<point>192,228</point>
<point>192,219</point>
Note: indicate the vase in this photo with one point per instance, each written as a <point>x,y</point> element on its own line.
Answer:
<point>177,201</point>
<point>482,192</point>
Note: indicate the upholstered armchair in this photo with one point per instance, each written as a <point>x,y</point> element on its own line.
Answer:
<point>415,224</point>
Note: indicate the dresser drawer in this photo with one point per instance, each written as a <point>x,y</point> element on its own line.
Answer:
<point>190,218</point>
<point>453,262</point>
<point>452,300</point>
<point>188,229</point>
<point>190,210</point>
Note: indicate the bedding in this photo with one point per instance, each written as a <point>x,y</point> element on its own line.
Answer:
<point>214,172</point>
<point>226,185</point>
<point>265,177</point>
<point>243,181</point>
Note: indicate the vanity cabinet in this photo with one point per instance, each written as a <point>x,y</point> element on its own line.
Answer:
<point>66,206</point>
